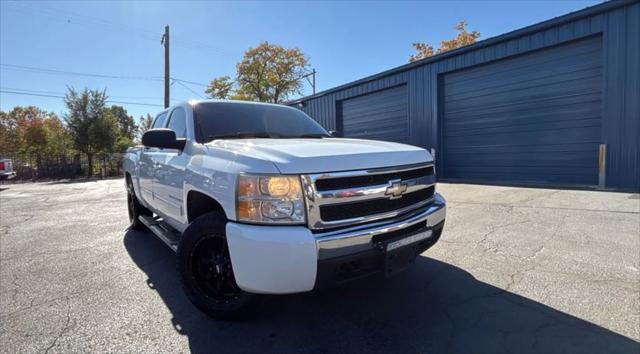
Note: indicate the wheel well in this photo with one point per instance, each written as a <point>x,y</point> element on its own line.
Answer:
<point>200,203</point>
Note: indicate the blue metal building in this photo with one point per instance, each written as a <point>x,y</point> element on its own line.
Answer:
<point>556,103</point>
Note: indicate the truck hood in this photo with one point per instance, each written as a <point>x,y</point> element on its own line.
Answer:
<point>293,156</point>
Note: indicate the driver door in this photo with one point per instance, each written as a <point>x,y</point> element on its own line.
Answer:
<point>168,184</point>
<point>147,165</point>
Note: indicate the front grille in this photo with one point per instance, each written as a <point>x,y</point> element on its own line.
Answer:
<point>370,180</point>
<point>333,212</point>
<point>342,199</point>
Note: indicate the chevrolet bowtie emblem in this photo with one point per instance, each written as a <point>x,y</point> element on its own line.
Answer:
<point>396,189</point>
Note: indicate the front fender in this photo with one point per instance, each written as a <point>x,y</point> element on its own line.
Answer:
<point>130,165</point>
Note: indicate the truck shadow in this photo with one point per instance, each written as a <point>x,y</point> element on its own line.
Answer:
<point>432,308</point>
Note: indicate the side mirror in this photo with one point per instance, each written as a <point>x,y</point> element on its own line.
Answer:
<point>162,138</point>
<point>334,133</point>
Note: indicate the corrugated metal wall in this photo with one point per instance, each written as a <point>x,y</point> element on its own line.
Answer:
<point>532,118</point>
<point>617,21</point>
<point>379,116</point>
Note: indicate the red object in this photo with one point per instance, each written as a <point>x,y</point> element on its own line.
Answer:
<point>1,165</point>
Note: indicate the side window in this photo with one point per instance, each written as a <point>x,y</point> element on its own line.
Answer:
<point>177,122</point>
<point>159,122</point>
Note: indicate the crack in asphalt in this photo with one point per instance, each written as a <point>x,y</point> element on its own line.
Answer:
<point>493,229</point>
<point>48,253</point>
<point>549,322</point>
<point>28,218</point>
<point>529,259</point>
<point>64,328</point>
<point>539,333</point>
<point>96,289</point>
<point>542,195</point>
<point>547,239</point>
<point>4,230</point>
<point>15,289</point>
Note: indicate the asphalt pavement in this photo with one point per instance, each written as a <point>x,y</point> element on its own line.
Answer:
<point>517,270</point>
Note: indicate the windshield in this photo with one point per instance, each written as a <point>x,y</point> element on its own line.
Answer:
<point>236,120</point>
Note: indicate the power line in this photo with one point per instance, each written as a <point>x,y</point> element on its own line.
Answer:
<point>59,96</point>
<point>33,69</point>
<point>31,94</point>
<point>58,93</point>
<point>24,68</point>
<point>70,14</point>
<point>80,19</point>
<point>189,82</point>
<point>83,20</point>
<point>90,21</point>
<point>188,88</point>
<point>25,90</point>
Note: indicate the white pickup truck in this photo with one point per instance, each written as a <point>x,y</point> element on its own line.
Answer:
<point>260,199</point>
<point>6,169</point>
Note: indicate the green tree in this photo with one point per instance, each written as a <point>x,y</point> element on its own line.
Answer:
<point>58,140</point>
<point>25,128</point>
<point>220,87</point>
<point>126,124</point>
<point>105,133</point>
<point>85,117</point>
<point>126,127</point>
<point>31,135</point>
<point>266,73</point>
<point>464,38</point>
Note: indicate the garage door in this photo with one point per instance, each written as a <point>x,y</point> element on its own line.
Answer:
<point>381,116</point>
<point>531,119</point>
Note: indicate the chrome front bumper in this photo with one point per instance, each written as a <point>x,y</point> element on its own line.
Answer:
<point>358,238</point>
<point>287,259</point>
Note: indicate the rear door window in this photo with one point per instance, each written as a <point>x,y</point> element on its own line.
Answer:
<point>177,122</point>
<point>159,122</point>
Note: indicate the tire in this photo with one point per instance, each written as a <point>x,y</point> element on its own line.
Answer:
<point>205,271</point>
<point>134,208</point>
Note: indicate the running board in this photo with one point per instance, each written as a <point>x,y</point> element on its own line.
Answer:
<point>163,231</point>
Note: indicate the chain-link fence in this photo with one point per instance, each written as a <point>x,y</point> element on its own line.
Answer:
<point>66,166</point>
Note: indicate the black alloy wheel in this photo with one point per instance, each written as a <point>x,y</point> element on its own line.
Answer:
<point>212,271</point>
<point>206,271</point>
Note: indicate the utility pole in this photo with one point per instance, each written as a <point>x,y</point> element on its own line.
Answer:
<point>167,79</point>
<point>314,81</point>
<point>311,82</point>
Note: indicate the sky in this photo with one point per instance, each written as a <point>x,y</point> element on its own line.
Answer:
<point>118,42</point>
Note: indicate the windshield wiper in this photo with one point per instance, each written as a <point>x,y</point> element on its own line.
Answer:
<point>241,135</point>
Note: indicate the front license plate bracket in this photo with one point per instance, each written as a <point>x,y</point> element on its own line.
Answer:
<point>402,253</point>
<point>399,259</point>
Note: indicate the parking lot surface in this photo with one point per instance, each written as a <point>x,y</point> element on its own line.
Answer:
<point>517,270</point>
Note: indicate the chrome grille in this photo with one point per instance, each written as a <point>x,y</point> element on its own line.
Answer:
<point>341,199</point>
<point>371,179</point>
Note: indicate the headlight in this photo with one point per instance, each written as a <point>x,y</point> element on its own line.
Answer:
<point>270,199</point>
